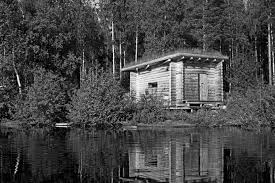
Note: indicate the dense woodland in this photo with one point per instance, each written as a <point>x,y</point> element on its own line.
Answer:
<point>61,59</point>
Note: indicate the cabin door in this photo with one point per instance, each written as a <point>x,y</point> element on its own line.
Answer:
<point>203,86</point>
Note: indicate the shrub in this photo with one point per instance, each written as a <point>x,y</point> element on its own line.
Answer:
<point>44,101</point>
<point>6,104</point>
<point>100,100</point>
<point>149,109</point>
<point>254,107</point>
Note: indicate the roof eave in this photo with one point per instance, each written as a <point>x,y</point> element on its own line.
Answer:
<point>170,58</point>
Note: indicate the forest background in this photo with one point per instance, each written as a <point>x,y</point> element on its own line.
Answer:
<point>61,59</point>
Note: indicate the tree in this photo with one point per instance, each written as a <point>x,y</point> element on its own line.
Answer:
<point>53,35</point>
<point>11,43</point>
<point>44,101</point>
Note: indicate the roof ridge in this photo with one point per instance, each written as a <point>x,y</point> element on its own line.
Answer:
<point>171,56</point>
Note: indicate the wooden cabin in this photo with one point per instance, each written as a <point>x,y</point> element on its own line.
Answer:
<point>181,79</point>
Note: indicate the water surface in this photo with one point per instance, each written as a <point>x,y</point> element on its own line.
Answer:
<point>162,155</point>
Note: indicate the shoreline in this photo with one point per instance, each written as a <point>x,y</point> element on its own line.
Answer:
<point>12,124</point>
<point>170,124</point>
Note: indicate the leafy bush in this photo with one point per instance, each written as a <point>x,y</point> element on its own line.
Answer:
<point>149,109</point>
<point>100,100</point>
<point>7,96</point>
<point>254,107</point>
<point>44,101</point>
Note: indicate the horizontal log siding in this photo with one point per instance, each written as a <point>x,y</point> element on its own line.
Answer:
<point>179,82</point>
<point>159,75</point>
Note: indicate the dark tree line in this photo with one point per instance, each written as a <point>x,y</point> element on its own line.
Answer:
<point>237,28</point>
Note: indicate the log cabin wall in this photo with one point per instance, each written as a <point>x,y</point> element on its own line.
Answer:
<point>180,81</point>
<point>153,81</point>
<point>203,83</point>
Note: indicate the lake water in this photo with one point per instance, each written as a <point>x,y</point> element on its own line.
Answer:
<point>145,155</point>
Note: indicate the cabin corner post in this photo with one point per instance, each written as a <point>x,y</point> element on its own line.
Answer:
<point>219,82</point>
<point>173,83</point>
<point>221,78</point>
<point>133,84</point>
<point>137,86</point>
<point>179,82</point>
<point>170,84</point>
<point>183,81</point>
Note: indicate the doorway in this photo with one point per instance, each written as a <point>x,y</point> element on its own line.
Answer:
<point>203,87</point>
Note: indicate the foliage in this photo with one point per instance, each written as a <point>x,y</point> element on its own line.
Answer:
<point>54,36</point>
<point>149,109</point>
<point>44,101</point>
<point>47,34</point>
<point>59,31</point>
<point>243,73</point>
<point>253,107</point>
<point>99,100</point>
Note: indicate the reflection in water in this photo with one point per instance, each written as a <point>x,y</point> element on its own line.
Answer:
<point>189,157</point>
<point>171,155</point>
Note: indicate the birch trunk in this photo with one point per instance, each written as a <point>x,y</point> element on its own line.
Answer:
<point>203,27</point>
<point>16,72</point>
<point>124,58</point>
<point>113,47</point>
<point>272,53</point>
<point>136,55</point>
<point>83,67</point>
<point>120,57</point>
<point>256,52</point>
<point>270,72</point>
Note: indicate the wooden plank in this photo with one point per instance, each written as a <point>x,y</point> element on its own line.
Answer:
<point>191,86</point>
<point>173,84</point>
<point>157,75</point>
<point>203,84</point>
<point>179,82</point>
<point>214,78</point>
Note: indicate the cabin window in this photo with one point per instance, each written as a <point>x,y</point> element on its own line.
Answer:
<point>152,88</point>
<point>151,160</point>
<point>153,85</point>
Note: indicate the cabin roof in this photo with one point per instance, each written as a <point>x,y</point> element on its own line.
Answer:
<point>179,56</point>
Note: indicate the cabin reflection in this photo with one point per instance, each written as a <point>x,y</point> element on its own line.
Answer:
<point>185,160</point>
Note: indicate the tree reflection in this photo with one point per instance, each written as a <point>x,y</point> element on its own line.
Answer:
<point>99,154</point>
<point>167,155</point>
